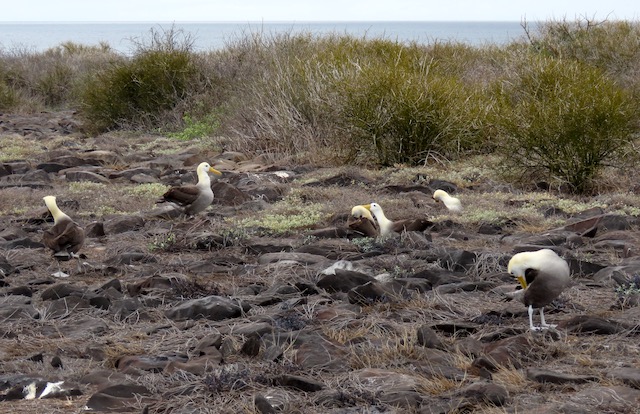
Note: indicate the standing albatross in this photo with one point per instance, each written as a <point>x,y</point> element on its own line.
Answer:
<point>451,203</point>
<point>193,198</point>
<point>387,226</point>
<point>66,237</point>
<point>362,221</point>
<point>543,276</point>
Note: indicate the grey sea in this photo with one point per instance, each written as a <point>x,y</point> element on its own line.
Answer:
<point>207,36</point>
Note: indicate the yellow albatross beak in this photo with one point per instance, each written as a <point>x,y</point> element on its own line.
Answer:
<point>213,170</point>
<point>367,206</point>
<point>522,280</point>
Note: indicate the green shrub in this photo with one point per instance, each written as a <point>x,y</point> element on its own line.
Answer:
<point>139,91</point>
<point>562,119</point>
<point>344,99</point>
<point>55,85</point>
<point>612,46</point>
<point>410,113</point>
<point>8,96</point>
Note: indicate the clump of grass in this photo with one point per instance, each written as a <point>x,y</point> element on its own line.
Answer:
<point>290,214</point>
<point>83,187</point>
<point>147,190</point>
<point>14,148</point>
<point>279,224</point>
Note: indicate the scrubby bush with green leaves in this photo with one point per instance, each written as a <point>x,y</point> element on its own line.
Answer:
<point>352,100</point>
<point>561,119</point>
<point>7,96</point>
<point>613,46</point>
<point>141,90</point>
<point>409,111</point>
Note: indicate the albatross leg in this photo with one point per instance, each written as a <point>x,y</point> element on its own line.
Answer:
<point>543,323</point>
<point>531,326</point>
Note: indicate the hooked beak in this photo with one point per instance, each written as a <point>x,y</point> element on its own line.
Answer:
<point>213,170</point>
<point>367,206</point>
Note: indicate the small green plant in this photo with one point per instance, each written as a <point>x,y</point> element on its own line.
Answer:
<point>163,242</point>
<point>234,236</point>
<point>197,128</point>
<point>631,287</point>
<point>628,292</point>
<point>365,244</point>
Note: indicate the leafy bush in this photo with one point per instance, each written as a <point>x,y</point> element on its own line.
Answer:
<point>612,46</point>
<point>350,100</point>
<point>409,113</point>
<point>563,119</point>
<point>7,96</point>
<point>137,92</point>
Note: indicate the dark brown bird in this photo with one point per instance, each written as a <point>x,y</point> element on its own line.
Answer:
<point>387,226</point>
<point>193,198</point>
<point>544,276</point>
<point>66,237</point>
<point>363,222</point>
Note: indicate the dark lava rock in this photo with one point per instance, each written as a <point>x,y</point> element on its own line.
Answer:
<point>214,308</point>
<point>118,398</point>
<point>123,224</point>
<point>343,280</point>
<point>543,375</point>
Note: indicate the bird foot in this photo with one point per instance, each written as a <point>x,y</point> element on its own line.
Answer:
<point>542,328</point>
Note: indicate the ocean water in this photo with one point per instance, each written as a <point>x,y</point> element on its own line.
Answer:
<point>123,37</point>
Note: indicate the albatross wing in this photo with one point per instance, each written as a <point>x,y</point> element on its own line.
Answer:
<point>183,195</point>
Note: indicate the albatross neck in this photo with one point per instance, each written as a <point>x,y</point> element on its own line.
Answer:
<point>383,222</point>
<point>203,179</point>
<point>57,214</point>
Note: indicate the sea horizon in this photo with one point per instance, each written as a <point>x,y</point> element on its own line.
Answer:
<point>39,36</point>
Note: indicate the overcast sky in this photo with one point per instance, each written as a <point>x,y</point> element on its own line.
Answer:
<point>315,10</point>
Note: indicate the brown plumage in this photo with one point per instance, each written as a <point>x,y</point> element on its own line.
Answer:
<point>387,226</point>
<point>362,221</point>
<point>66,237</point>
<point>193,198</point>
<point>544,276</point>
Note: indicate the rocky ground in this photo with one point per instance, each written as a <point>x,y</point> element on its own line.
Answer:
<point>228,312</point>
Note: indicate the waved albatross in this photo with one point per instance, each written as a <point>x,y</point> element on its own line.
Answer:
<point>543,276</point>
<point>387,226</point>
<point>193,198</point>
<point>451,203</point>
<point>66,237</point>
<point>362,221</point>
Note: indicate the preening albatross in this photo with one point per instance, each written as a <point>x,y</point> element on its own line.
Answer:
<point>362,221</point>
<point>543,276</point>
<point>193,198</point>
<point>452,203</point>
<point>66,237</point>
<point>387,226</point>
